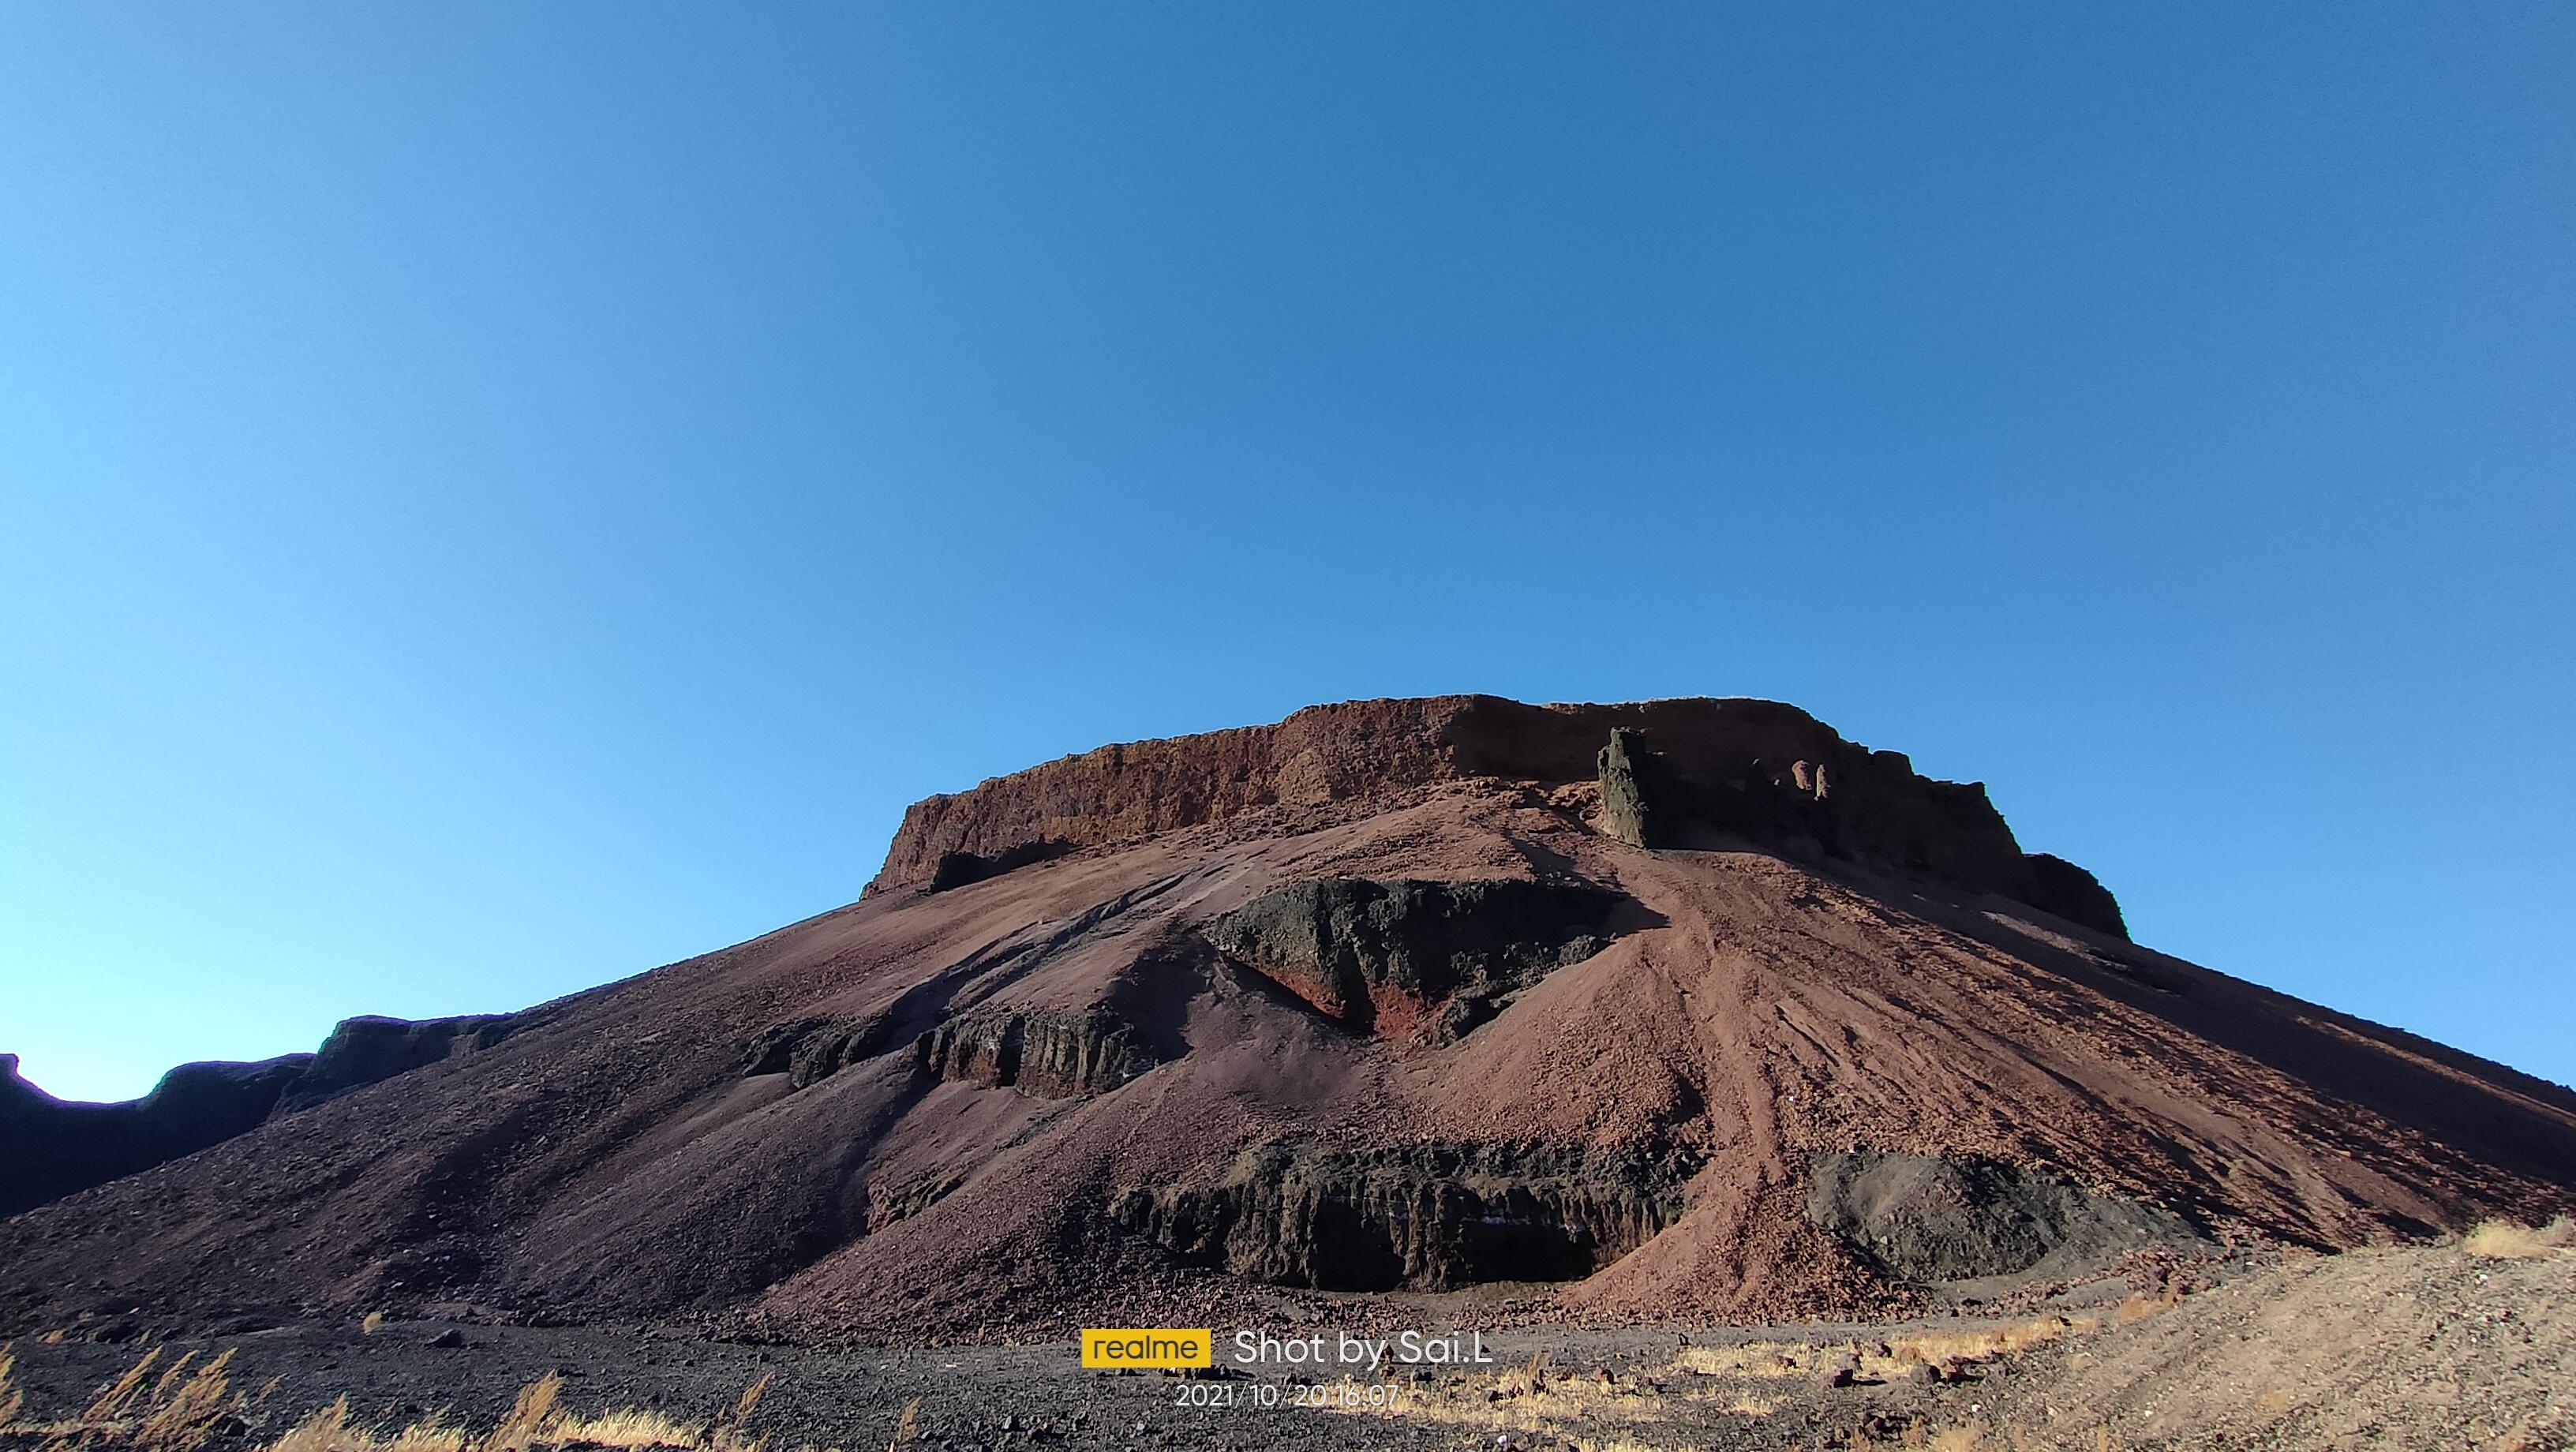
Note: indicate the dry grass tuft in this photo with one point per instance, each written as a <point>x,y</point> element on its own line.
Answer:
<point>180,1409</point>
<point>12,1397</point>
<point>1522,1381</point>
<point>1945,1348</point>
<point>535,1419</point>
<point>2511,1240</point>
<point>119,1395</point>
<point>909,1428</point>
<point>528,1415</point>
<point>327,1430</point>
<point>626,1427</point>
<point>1762,1359</point>
<point>183,1414</point>
<point>1575,1407</point>
<point>2139,1307</point>
<point>430,1434</point>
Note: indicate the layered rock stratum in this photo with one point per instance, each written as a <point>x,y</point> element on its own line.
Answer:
<point>1685,1009</point>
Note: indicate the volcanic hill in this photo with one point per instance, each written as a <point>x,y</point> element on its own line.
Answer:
<point>1682,1009</point>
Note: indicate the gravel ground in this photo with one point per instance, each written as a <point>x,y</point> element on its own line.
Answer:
<point>2410,1348</point>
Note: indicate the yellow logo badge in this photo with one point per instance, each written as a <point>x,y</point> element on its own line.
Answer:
<point>1156,1348</point>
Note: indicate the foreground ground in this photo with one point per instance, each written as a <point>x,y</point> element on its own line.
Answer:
<point>2430,1347</point>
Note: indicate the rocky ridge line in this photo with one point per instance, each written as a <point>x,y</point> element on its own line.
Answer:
<point>1689,773</point>
<point>50,1148</point>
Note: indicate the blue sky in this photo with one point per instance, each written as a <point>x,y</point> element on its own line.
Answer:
<point>494,498</point>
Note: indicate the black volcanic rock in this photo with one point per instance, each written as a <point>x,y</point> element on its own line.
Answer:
<point>958,869</point>
<point>1429,1216</point>
<point>1923,1218</point>
<point>1625,811</point>
<point>2058,886</point>
<point>50,1147</point>
<point>369,1049</point>
<point>1047,1054</point>
<point>1350,945</point>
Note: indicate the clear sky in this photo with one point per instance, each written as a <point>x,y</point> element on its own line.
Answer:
<point>495,498</point>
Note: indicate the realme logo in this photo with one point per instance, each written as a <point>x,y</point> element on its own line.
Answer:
<point>1148,1348</point>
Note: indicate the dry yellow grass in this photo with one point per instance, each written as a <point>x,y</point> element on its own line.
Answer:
<point>1523,1381</point>
<point>1748,1406</point>
<point>2138,1308</point>
<point>182,1413</point>
<point>2511,1240</point>
<point>1939,1348</point>
<point>112,1402</point>
<point>12,1397</point>
<point>1759,1359</point>
<point>1582,1408</point>
<point>176,1411</point>
<point>329,1430</point>
<point>179,1409</point>
<point>529,1413</point>
<point>1771,1360</point>
<point>536,1419</point>
<point>1507,1402</point>
<point>908,1428</point>
<point>1570,1405</point>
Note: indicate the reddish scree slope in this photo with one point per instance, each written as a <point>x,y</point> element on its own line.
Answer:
<point>1865,983</point>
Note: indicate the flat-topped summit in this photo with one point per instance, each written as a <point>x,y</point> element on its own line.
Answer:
<point>1690,772</point>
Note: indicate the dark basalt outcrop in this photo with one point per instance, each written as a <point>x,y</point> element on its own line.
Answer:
<point>370,1049</point>
<point>1445,956</point>
<point>2059,886</point>
<point>50,1147</point>
<point>1923,1219</point>
<point>1624,810</point>
<point>810,1050</point>
<point>1682,773</point>
<point>1430,1217</point>
<point>1861,806</point>
<point>957,869</point>
<point>1048,1054</point>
